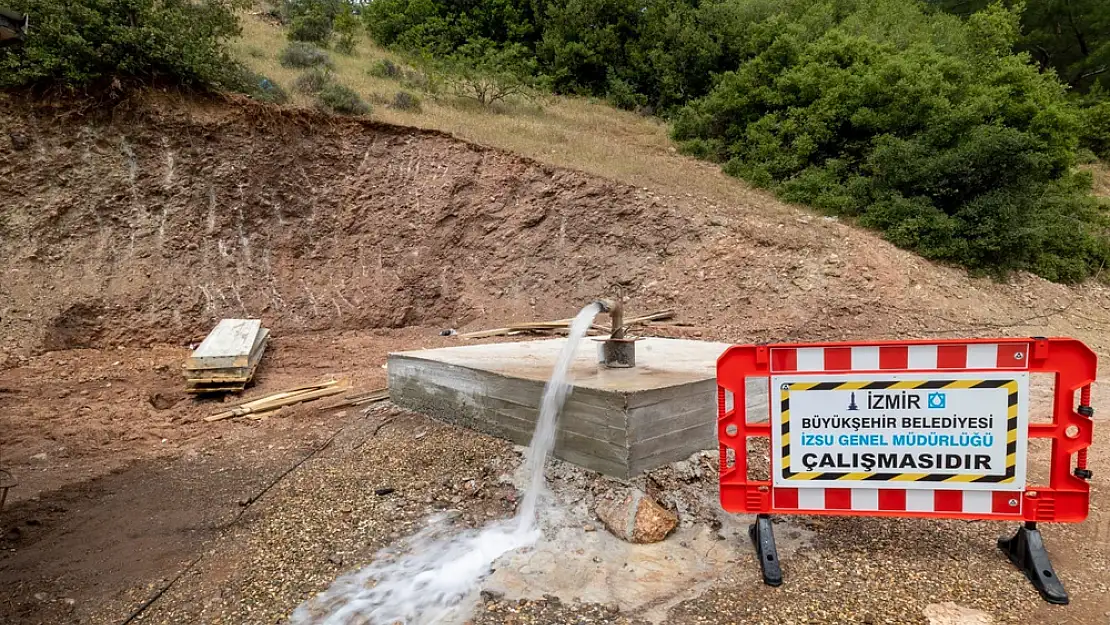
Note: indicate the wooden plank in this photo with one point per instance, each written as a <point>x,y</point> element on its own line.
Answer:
<point>229,345</point>
<point>267,404</point>
<point>215,388</point>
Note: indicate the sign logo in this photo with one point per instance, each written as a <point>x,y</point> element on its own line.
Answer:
<point>852,403</point>
<point>937,401</point>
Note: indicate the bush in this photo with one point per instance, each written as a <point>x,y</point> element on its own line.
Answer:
<point>964,157</point>
<point>312,81</point>
<point>622,95</point>
<point>341,99</point>
<point>387,69</point>
<point>346,26</point>
<point>81,43</point>
<point>406,101</point>
<point>486,73</point>
<point>300,54</point>
<point>1096,128</point>
<point>312,27</point>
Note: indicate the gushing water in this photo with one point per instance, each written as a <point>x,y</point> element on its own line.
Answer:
<point>431,577</point>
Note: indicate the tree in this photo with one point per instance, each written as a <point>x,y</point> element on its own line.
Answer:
<point>1069,36</point>
<point>487,73</point>
<point>82,43</point>
<point>346,26</point>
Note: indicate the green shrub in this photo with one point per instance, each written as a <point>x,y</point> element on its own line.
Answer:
<point>81,43</point>
<point>338,98</point>
<point>963,157</point>
<point>1095,133</point>
<point>623,95</point>
<point>406,101</point>
<point>346,27</point>
<point>486,73</point>
<point>300,54</point>
<point>312,81</point>
<point>385,68</point>
<point>312,27</point>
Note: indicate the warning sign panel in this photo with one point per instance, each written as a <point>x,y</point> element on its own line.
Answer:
<point>962,431</point>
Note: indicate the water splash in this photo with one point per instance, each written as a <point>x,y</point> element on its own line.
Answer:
<point>432,576</point>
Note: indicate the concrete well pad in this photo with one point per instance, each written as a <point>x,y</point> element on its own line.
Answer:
<point>620,422</point>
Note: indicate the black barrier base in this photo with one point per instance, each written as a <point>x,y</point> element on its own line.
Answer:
<point>763,537</point>
<point>1026,550</point>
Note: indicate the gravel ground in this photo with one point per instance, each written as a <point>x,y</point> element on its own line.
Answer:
<point>326,518</point>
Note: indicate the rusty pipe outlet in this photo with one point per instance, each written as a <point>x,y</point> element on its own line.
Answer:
<point>617,351</point>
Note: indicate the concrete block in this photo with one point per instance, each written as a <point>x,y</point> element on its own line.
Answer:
<point>620,422</point>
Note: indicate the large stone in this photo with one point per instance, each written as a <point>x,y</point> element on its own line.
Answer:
<point>635,517</point>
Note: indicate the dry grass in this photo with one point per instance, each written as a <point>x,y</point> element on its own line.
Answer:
<point>569,132</point>
<point>1101,173</point>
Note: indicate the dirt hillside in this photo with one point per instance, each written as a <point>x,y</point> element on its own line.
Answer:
<point>145,224</point>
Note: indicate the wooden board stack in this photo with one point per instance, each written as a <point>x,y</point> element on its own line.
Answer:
<point>227,358</point>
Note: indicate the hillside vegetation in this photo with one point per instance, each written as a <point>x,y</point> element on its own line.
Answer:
<point>935,127</point>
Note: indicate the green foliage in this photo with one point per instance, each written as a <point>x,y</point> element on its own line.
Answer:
<point>1095,124</point>
<point>347,28</point>
<point>963,158</point>
<point>312,27</point>
<point>406,101</point>
<point>292,9</point>
<point>439,27</point>
<point>312,81</point>
<point>621,94</point>
<point>1071,37</point>
<point>338,98</point>
<point>385,68</point>
<point>301,54</point>
<point>480,70</point>
<point>81,43</point>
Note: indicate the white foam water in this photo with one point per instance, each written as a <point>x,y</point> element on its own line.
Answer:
<point>432,577</point>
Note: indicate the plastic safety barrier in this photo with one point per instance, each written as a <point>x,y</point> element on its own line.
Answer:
<point>907,429</point>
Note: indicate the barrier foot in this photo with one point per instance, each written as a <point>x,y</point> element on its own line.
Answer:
<point>763,537</point>
<point>1026,550</point>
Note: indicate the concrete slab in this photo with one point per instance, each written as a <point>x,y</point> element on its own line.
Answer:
<point>620,422</point>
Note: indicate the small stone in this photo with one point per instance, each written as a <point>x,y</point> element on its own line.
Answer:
<point>492,595</point>
<point>636,518</point>
<point>589,527</point>
<point>613,608</point>
<point>335,559</point>
<point>39,457</point>
<point>40,596</point>
<point>388,490</point>
<point>244,502</point>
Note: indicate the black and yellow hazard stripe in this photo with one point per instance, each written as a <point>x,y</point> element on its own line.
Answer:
<point>1011,429</point>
